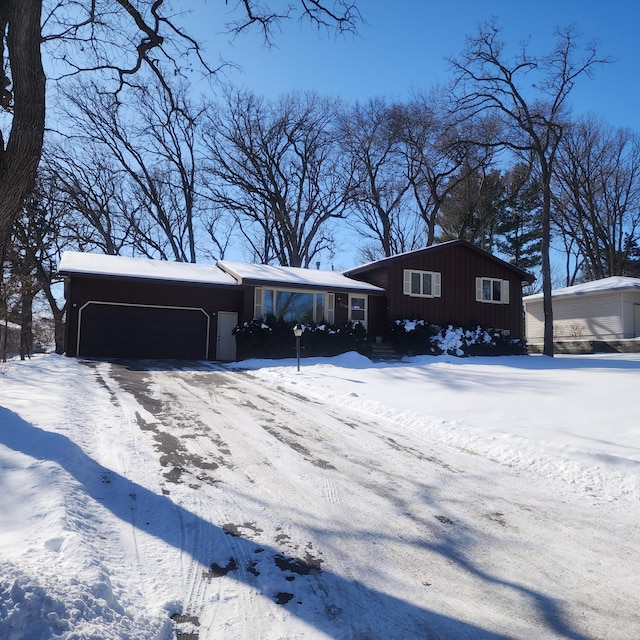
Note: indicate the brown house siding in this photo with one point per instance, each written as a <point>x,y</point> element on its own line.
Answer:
<point>166,318</point>
<point>459,265</point>
<point>81,290</point>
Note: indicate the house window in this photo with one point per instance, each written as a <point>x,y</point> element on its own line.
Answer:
<point>492,290</point>
<point>422,284</point>
<point>294,306</point>
<point>358,309</point>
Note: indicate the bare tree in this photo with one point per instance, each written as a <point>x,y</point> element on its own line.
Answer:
<point>471,206</point>
<point>485,80</point>
<point>87,185</point>
<point>597,195</point>
<point>114,38</point>
<point>33,256</point>
<point>151,157</point>
<point>277,168</point>
<point>22,98</point>
<point>434,152</point>
<point>381,197</point>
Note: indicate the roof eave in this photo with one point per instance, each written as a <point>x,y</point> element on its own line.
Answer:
<point>257,282</point>
<point>135,278</point>
<point>526,277</point>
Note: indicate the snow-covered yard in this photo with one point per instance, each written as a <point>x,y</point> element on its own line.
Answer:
<point>433,498</point>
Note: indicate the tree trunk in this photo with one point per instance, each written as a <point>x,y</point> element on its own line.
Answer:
<point>58,329</point>
<point>26,320</point>
<point>4,321</point>
<point>19,158</point>
<point>547,306</point>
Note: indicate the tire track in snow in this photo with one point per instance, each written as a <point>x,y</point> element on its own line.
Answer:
<point>399,546</point>
<point>197,411</point>
<point>169,393</point>
<point>302,439</point>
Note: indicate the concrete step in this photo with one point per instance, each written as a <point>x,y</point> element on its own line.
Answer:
<point>382,351</point>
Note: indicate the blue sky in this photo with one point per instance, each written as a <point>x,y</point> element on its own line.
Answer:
<point>403,48</point>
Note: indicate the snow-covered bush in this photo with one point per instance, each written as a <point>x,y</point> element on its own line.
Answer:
<point>412,337</point>
<point>273,338</point>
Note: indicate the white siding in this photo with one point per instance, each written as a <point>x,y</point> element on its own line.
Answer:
<point>630,298</point>
<point>596,316</point>
<point>534,321</point>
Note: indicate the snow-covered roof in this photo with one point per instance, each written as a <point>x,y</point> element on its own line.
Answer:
<point>294,276</point>
<point>604,285</point>
<point>432,248</point>
<point>74,262</point>
<point>223,273</point>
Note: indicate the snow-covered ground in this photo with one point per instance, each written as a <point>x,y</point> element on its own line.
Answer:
<point>432,498</point>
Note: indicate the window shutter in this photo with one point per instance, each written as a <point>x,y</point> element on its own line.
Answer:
<point>435,281</point>
<point>257,302</point>
<point>478,289</point>
<point>406,287</point>
<point>331,307</point>
<point>505,292</point>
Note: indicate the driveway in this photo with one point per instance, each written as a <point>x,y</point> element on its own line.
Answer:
<point>294,514</point>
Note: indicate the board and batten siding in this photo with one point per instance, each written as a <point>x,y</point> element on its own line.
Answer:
<point>457,302</point>
<point>597,316</point>
<point>459,265</point>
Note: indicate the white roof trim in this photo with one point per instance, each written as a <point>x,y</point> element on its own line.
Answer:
<point>604,285</point>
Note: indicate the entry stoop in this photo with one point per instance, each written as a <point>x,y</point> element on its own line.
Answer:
<point>383,352</point>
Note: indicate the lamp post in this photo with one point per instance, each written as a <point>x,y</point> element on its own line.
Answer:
<point>297,332</point>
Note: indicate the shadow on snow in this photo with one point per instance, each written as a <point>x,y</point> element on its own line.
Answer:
<point>338,606</point>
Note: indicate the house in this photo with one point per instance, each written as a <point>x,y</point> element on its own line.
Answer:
<point>452,283</point>
<point>139,308</point>
<point>602,310</point>
<point>132,307</point>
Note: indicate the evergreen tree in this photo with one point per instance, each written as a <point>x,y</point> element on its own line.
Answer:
<point>632,269</point>
<point>518,226</point>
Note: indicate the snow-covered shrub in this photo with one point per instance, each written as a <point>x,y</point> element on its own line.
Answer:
<point>273,338</point>
<point>331,339</point>
<point>411,336</point>
<point>475,341</point>
<point>414,337</point>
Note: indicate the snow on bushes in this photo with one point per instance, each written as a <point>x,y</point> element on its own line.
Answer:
<point>412,337</point>
<point>272,337</point>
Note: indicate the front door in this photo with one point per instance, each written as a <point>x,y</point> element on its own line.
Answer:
<point>636,316</point>
<point>226,343</point>
<point>358,309</point>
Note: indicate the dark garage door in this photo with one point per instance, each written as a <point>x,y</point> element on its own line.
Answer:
<point>127,331</point>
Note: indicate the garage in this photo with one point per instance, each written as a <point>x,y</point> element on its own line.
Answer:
<point>117,330</point>
<point>121,307</point>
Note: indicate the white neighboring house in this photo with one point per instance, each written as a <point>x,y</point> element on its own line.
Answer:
<point>607,309</point>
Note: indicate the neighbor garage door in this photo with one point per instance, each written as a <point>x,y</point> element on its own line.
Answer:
<point>128,331</point>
